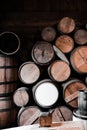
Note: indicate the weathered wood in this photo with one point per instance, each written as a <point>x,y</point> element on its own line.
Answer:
<point>8,74</point>
<point>80,36</point>
<point>21,96</point>
<point>29,72</point>
<point>28,116</point>
<point>8,112</point>
<point>66,25</point>
<point>79,59</point>
<point>71,89</point>
<point>61,113</point>
<point>42,53</point>
<point>65,43</point>
<point>59,71</point>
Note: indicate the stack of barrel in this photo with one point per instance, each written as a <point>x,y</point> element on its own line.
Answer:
<point>55,74</point>
<point>9,44</point>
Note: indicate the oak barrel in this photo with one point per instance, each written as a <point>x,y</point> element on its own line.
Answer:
<point>61,113</point>
<point>59,71</point>
<point>9,43</point>
<point>8,74</point>
<point>42,53</point>
<point>80,37</point>
<point>28,115</point>
<point>21,96</point>
<point>66,25</point>
<point>70,91</point>
<point>78,59</point>
<point>45,93</point>
<point>29,72</point>
<point>65,43</point>
<point>48,34</point>
<point>8,112</point>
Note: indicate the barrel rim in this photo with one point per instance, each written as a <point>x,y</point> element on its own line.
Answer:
<point>72,53</point>
<point>75,36</point>
<point>35,87</point>
<point>23,109</point>
<point>67,85</point>
<point>48,27</point>
<point>49,72</point>
<point>58,28</point>
<point>28,62</point>
<point>71,40</point>
<point>21,88</point>
<point>10,32</point>
<point>33,57</point>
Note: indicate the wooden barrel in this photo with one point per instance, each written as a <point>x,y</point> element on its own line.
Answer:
<point>80,37</point>
<point>65,43</point>
<point>70,92</point>
<point>45,93</point>
<point>28,115</point>
<point>48,34</point>
<point>42,53</point>
<point>9,43</point>
<point>61,113</point>
<point>79,59</point>
<point>66,25</point>
<point>21,96</point>
<point>8,75</point>
<point>8,112</point>
<point>59,71</point>
<point>29,72</point>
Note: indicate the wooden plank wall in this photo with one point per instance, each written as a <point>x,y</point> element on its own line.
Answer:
<point>30,16</point>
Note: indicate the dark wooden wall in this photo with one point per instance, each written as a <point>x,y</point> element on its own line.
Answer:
<point>29,16</point>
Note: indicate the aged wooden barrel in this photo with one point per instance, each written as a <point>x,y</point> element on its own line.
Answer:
<point>29,72</point>
<point>28,115</point>
<point>45,93</point>
<point>42,53</point>
<point>70,92</point>
<point>65,43</point>
<point>21,96</point>
<point>61,113</point>
<point>48,34</point>
<point>8,112</point>
<point>59,71</point>
<point>80,37</point>
<point>79,59</point>
<point>66,25</point>
<point>9,43</point>
<point>8,75</point>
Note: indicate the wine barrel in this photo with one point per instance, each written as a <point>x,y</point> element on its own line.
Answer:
<point>48,34</point>
<point>28,115</point>
<point>66,25</point>
<point>61,113</point>
<point>29,72</point>
<point>42,53</point>
<point>78,59</point>
<point>70,92</point>
<point>59,71</point>
<point>8,112</point>
<point>21,96</point>
<point>45,93</point>
<point>80,37</point>
<point>8,75</point>
<point>65,43</point>
<point>9,43</point>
